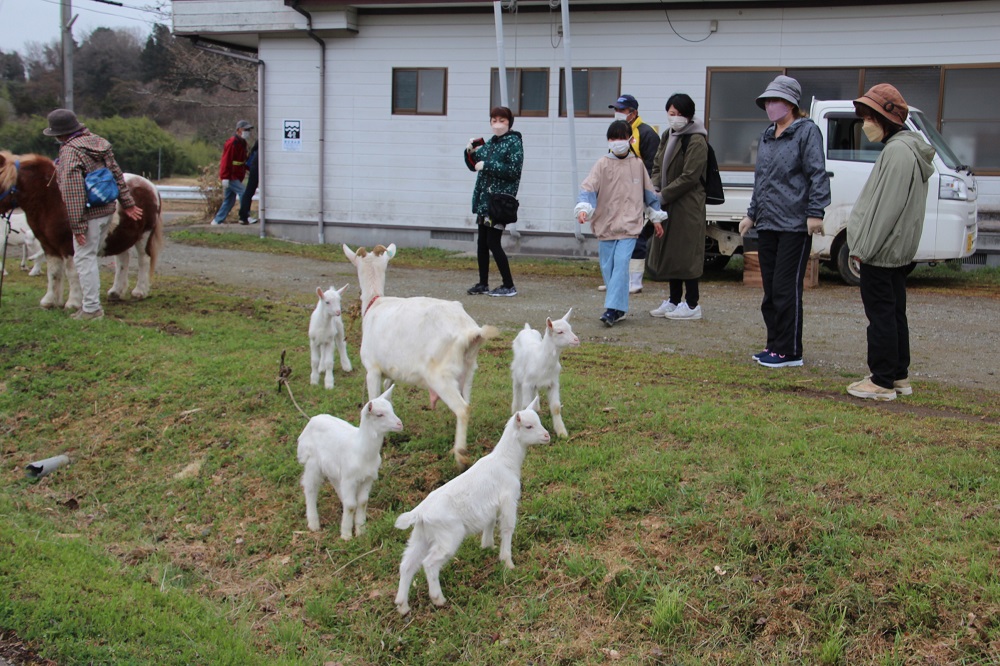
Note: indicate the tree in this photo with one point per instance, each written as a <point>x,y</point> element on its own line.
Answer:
<point>11,68</point>
<point>105,59</point>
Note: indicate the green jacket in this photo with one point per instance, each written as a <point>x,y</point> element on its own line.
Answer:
<point>887,220</point>
<point>502,158</point>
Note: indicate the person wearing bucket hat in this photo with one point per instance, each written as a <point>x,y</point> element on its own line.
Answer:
<point>883,232</point>
<point>790,194</point>
<point>233,169</point>
<point>82,152</point>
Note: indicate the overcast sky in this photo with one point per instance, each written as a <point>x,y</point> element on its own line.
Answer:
<point>26,21</point>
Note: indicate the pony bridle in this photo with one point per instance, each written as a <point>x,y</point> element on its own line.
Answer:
<point>11,191</point>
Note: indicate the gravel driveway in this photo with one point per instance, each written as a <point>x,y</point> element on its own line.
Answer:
<point>954,339</point>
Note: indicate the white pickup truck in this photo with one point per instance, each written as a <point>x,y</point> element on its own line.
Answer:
<point>950,229</point>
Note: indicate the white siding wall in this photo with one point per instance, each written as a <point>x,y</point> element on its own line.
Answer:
<point>407,171</point>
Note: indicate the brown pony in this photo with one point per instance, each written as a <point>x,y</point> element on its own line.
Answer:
<point>29,182</point>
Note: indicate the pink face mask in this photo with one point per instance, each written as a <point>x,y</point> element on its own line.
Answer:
<point>776,110</point>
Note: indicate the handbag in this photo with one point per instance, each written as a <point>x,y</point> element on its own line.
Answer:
<point>502,208</point>
<point>101,187</point>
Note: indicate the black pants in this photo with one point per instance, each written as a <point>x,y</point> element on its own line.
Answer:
<point>641,248</point>
<point>677,288</point>
<point>784,256</point>
<point>883,292</point>
<point>489,241</point>
<point>247,197</point>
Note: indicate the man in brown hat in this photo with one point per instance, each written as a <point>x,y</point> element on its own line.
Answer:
<point>80,153</point>
<point>883,233</point>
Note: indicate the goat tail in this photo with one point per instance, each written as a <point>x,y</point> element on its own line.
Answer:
<point>406,520</point>
<point>488,332</point>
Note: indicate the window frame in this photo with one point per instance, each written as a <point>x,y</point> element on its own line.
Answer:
<point>939,120</point>
<point>518,72</point>
<point>399,111</point>
<point>589,113</point>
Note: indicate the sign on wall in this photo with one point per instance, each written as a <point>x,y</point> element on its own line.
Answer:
<point>291,135</point>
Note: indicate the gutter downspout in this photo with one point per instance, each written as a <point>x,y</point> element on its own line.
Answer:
<point>322,109</point>
<point>570,114</point>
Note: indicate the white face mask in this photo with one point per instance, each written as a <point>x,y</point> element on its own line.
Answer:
<point>499,129</point>
<point>621,116</point>
<point>619,147</point>
<point>872,130</point>
<point>677,122</point>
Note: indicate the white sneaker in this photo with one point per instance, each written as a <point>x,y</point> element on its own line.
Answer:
<point>215,224</point>
<point>682,311</point>
<point>602,288</point>
<point>665,307</point>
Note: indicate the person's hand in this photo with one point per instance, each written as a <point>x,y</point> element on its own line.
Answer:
<point>814,225</point>
<point>480,165</point>
<point>658,229</point>
<point>581,217</point>
<point>225,183</point>
<point>134,213</point>
<point>746,224</point>
<point>81,239</point>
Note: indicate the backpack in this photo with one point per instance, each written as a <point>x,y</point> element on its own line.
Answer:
<point>101,187</point>
<point>712,182</point>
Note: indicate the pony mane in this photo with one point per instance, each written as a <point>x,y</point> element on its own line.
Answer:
<point>8,166</point>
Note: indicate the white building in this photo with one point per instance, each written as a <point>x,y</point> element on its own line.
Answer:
<point>365,108</point>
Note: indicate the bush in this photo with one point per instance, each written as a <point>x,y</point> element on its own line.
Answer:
<point>25,136</point>
<point>193,155</point>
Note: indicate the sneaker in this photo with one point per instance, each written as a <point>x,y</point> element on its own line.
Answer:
<point>478,288</point>
<point>665,307</point>
<point>869,390</point>
<point>603,287</point>
<point>902,387</point>
<point>244,221</point>
<point>684,311</point>
<point>252,220</point>
<point>215,224</point>
<point>504,291</point>
<point>86,316</point>
<point>612,317</point>
<point>773,360</point>
<point>759,355</point>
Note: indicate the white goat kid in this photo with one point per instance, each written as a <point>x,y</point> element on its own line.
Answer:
<point>471,503</point>
<point>32,251</point>
<point>424,341</point>
<point>326,331</point>
<point>349,457</point>
<point>536,366</point>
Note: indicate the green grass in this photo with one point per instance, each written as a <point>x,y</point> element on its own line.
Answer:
<point>698,514</point>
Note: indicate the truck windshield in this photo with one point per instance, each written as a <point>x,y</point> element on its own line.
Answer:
<point>944,151</point>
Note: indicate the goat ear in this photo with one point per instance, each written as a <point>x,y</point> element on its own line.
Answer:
<point>368,407</point>
<point>388,393</point>
<point>351,256</point>
<point>391,250</point>
<point>319,292</point>
<point>548,323</point>
<point>535,404</point>
<point>566,316</point>
<point>342,289</point>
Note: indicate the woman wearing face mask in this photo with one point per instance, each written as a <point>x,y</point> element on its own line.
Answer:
<point>790,193</point>
<point>883,233</point>
<point>678,175</point>
<point>498,162</point>
<point>613,197</point>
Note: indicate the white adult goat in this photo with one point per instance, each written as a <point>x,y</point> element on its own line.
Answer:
<point>536,366</point>
<point>326,331</point>
<point>349,457</point>
<point>424,341</point>
<point>471,503</point>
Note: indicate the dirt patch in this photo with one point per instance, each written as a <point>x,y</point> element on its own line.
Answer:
<point>16,652</point>
<point>954,336</point>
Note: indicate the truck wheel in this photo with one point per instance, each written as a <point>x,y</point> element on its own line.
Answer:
<point>850,270</point>
<point>716,262</point>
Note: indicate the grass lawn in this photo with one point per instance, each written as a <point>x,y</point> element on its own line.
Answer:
<point>697,514</point>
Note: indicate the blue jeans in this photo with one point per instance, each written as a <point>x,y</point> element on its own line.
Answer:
<point>232,193</point>
<point>614,256</point>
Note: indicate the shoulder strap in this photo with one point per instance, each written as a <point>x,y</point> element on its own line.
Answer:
<point>685,140</point>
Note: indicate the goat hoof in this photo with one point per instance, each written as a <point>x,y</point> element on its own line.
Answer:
<point>345,537</point>
<point>139,295</point>
<point>402,609</point>
<point>114,296</point>
<point>439,602</point>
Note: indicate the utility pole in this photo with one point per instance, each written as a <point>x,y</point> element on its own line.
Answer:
<point>67,20</point>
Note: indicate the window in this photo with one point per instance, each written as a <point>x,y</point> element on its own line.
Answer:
<point>527,91</point>
<point>969,115</point>
<point>594,88</point>
<point>962,102</point>
<point>735,121</point>
<point>419,91</point>
<point>845,141</point>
